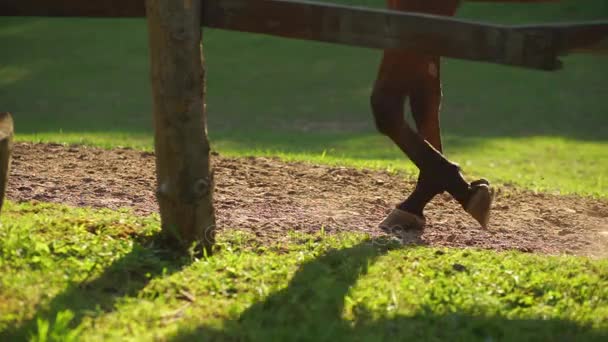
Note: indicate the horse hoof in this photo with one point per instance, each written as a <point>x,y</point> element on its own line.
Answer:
<point>479,182</point>
<point>401,220</point>
<point>479,205</point>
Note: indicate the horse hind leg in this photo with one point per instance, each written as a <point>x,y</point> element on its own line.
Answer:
<point>425,101</point>
<point>387,105</point>
<point>437,173</point>
<point>425,104</point>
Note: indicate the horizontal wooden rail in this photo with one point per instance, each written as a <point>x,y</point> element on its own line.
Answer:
<point>74,8</point>
<point>531,46</point>
<point>384,29</point>
<point>589,37</point>
<point>103,8</point>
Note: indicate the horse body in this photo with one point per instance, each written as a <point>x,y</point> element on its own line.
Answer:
<point>410,75</point>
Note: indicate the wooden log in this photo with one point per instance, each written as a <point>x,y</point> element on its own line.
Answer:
<point>590,37</point>
<point>513,1</point>
<point>384,29</point>
<point>105,8</point>
<point>6,141</point>
<point>183,168</point>
<point>74,8</point>
<point>523,46</point>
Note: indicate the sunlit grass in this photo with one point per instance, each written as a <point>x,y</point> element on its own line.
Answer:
<point>88,275</point>
<point>101,275</point>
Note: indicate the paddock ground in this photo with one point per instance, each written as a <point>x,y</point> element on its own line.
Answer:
<point>269,198</point>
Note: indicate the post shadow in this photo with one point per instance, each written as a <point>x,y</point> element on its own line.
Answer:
<point>316,291</point>
<point>310,309</point>
<point>150,257</point>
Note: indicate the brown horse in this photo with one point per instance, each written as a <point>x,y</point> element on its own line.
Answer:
<point>404,74</point>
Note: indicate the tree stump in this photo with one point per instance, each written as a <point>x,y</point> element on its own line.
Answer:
<point>183,168</point>
<point>6,142</point>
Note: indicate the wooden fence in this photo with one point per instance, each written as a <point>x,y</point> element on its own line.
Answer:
<point>184,176</point>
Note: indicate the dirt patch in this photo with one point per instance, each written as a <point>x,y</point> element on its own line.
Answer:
<point>268,197</point>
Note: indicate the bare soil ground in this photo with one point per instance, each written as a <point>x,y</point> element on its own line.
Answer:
<point>269,197</point>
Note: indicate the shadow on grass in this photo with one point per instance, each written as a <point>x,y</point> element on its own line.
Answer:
<point>125,277</point>
<point>311,308</point>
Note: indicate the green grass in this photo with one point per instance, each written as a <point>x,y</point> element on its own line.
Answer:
<point>70,274</point>
<point>86,81</point>
<point>76,274</point>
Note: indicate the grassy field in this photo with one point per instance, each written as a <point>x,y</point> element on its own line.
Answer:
<point>86,81</point>
<point>71,274</point>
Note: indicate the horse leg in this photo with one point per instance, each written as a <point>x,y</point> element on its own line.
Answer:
<point>425,102</point>
<point>437,174</point>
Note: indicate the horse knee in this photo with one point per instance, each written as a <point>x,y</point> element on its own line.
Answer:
<point>388,112</point>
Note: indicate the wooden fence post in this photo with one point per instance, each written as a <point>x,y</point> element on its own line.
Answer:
<point>183,169</point>
<point>6,137</point>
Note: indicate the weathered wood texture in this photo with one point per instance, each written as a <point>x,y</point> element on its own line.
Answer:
<point>74,8</point>
<point>590,37</point>
<point>531,46</point>
<point>383,29</point>
<point>6,137</point>
<point>105,8</point>
<point>184,175</point>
